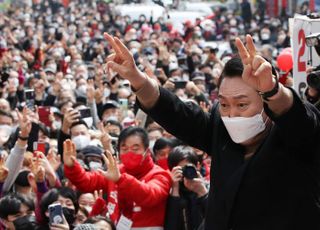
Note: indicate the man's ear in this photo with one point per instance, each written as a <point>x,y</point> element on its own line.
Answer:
<point>32,181</point>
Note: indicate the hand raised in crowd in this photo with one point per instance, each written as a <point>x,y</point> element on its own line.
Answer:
<point>257,71</point>
<point>4,171</point>
<point>113,172</point>
<point>34,115</point>
<point>105,138</point>
<point>69,153</point>
<point>192,88</point>
<point>161,75</point>
<point>176,175</point>
<point>98,94</point>
<point>56,85</point>
<point>123,63</point>
<point>169,85</point>
<point>54,159</point>
<point>50,172</point>
<point>90,91</point>
<point>24,122</point>
<point>204,106</point>
<point>71,116</point>
<point>37,170</point>
<point>98,194</point>
<point>196,185</point>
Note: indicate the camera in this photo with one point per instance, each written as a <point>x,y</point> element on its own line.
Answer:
<point>189,171</point>
<point>313,80</point>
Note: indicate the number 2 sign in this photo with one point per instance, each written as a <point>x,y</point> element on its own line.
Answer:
<point>302,48</point>
<point>301,27</point>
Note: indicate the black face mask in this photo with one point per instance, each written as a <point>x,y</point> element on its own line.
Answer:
<point>25,223</point>
<point>69,214</point>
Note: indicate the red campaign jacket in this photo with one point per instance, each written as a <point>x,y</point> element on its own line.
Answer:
<point>141,200</point>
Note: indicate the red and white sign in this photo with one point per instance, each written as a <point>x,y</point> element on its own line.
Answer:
<point>303,26</point>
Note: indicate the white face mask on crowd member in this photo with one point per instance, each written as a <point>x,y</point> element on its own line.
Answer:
<point>81,141</point>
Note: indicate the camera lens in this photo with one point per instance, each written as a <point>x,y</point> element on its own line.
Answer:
<point>189,172</point>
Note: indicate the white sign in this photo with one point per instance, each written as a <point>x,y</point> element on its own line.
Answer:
<point>302,27</point>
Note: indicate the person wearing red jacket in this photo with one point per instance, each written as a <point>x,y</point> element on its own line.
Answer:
<point>137,189</point>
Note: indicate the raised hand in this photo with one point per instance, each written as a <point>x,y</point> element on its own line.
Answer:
<point>123,62</point>
<point>98,194</point>
<point>105,138</point>
<point>113,172</point>
<point>54,159</point>
<point>24,122</point>
<point>3,170</point>
<point>50,172</point>
<point>69,153</point>
<point>71,116</point>
<point>257,71</point>
<point>37,170</point>
<point>90,91</point>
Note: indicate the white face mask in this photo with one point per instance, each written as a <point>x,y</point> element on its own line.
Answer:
<point>111,118</point>
<point>88,121</point>
<point>265,36</point>
<point>82,89</point>
<point>242,129</point>
<point>57,124</point>
<point>81,141</point>
<point>5,131</point>
<point>151,144</point>
<point>106,92</point>
<point>94,166</point>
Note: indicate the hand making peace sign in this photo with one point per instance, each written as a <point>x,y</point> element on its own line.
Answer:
<point>123,62</point>
<point>257,71</point>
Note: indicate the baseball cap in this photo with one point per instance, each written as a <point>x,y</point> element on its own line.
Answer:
<point>92,151</point>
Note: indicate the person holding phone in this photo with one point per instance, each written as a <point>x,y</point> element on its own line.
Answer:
<point>262,138</point>
<point>58,208</point>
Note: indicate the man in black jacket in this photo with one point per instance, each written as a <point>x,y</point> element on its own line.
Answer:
<point>263,139</point>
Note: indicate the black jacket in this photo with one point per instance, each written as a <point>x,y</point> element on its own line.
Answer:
<point>185,212</point>
<point>277,188</point>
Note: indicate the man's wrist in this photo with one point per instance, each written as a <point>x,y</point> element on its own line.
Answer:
<point>65,129</point>
<point>266,96</point>
<point>202,192</point>
<point>23,136</point>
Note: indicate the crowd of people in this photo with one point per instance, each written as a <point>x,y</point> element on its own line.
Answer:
<point>76,131</point>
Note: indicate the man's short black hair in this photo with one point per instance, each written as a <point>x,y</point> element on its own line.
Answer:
<point>134,131</point>
<point>113,122</point>
<point>234,68</point>
<point>162,143</point>
<point>181,153</point>
<point>11,204</point>
<point>80,122</point>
